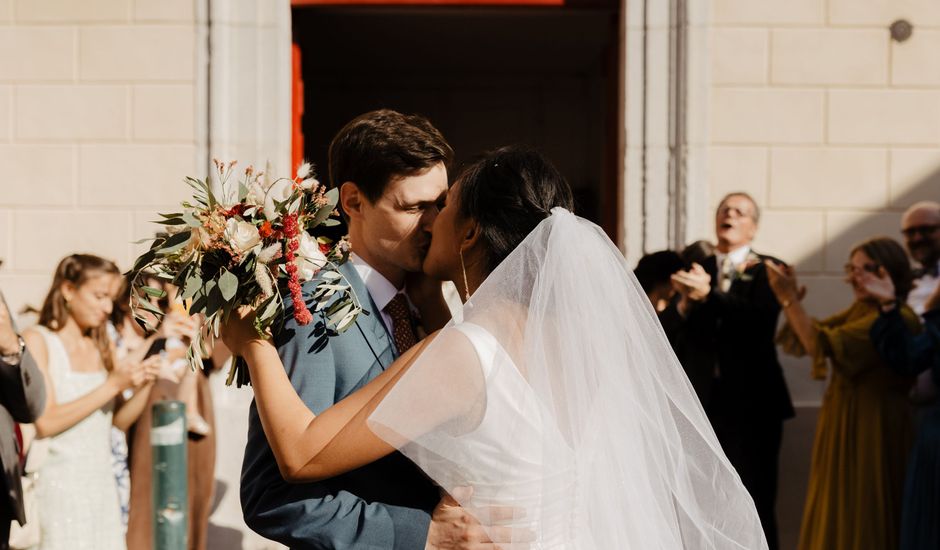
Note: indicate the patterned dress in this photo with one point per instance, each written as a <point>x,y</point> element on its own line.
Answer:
<point>76,489</point>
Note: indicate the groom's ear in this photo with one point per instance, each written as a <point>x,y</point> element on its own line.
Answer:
<point>350,198</point>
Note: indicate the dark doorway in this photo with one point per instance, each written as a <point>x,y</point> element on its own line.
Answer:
<point>485,76</point>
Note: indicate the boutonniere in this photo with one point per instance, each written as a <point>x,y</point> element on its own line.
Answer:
<point>741,272</point>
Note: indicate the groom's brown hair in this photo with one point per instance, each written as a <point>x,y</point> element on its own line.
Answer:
<point>375,148</point>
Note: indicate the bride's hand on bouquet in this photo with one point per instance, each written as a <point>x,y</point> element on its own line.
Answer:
<point>238,332</point>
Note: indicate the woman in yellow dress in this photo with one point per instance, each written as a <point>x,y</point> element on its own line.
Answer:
<point>864,430</point>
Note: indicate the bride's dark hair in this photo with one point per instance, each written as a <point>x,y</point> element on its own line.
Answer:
<point>509,191</point>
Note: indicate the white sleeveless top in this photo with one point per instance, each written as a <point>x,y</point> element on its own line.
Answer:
<point>524,467</point>
<point>76,489</point>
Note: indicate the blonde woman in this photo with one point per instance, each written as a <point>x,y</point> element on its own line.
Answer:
<point>77,493</point>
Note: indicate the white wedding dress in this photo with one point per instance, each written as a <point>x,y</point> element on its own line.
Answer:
<point>559,396</point>
<point>76,490</point>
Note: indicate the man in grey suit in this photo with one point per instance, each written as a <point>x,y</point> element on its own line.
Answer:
<point>391,170</point>
<point>22,399</point>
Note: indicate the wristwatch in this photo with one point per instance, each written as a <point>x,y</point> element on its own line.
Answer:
<point>15,357</point>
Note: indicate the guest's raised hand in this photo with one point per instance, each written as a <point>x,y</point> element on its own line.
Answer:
<point>127,374</point>
<point>179,325</point>
<point>879,285</point>
<point>933,302</point>
<point>783,282</point>
<point>694,284</point>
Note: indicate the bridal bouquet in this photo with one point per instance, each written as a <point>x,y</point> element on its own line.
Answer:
<point>247,246</point>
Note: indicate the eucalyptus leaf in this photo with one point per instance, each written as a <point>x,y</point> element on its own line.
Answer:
<point>144,260</point>
<point>334,319</point>
<point>144,304</point>
<point>347,321</point>
<point>215,300</point>
<point>191,220</point>
<point>228,285</point>
<point>155,292</point>
<point>333,197</point>
<point>170,221</point>
<point>174,243</point>
<point>192,285</point>
<point>322,214</point>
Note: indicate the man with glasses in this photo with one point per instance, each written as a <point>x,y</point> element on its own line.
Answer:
<point>920,226</point>
<point>728,313</point>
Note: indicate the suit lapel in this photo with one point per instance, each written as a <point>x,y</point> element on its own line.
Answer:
<point>370,326</point>
<point>710,265</point>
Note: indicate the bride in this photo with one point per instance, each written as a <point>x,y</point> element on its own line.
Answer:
<point>557,396</point>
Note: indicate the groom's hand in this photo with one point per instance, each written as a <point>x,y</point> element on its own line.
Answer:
<point>453,528</point>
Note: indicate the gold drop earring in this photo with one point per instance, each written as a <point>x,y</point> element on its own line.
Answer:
<point>466,286</point>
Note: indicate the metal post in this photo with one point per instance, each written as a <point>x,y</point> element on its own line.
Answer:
<point>170,499</point>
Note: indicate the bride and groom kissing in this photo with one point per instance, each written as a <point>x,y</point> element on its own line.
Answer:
<point>552,415</point>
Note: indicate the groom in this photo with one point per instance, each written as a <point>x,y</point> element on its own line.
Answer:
<point>392,172</point>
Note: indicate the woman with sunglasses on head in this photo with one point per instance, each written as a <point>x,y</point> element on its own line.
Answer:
<point>864,430</point>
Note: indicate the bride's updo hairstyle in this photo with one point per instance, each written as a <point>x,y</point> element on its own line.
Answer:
<point>508,192</point>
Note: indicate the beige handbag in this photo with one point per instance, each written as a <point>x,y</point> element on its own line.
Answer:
<point>24,537</point>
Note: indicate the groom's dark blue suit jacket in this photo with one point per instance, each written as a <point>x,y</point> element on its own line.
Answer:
<point>385,505</point>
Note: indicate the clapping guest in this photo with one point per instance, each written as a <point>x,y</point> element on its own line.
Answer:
<point>201,447</point>
<point>912,354</point>
<point>864,429</point>
<point>22,399</point>
<point>132,343</point>
<point>694,345</point>
<point>727,303</point>
<point>920,226</point>
<point>77,495</point>
<point>654,272</point>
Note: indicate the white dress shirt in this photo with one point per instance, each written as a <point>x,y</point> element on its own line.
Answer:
<point>380,289</point>
<point>923,288</point>
<point>737,256</point>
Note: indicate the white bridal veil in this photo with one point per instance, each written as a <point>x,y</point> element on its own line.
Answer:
<point>559,395</point>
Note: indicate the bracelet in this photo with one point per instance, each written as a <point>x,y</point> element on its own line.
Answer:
<point>887,307</point>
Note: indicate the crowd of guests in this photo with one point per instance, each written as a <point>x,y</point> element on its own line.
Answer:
<point>872,484</point>
<point>87,375</point>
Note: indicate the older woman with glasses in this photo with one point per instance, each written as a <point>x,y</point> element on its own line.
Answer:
<point>864,430</point>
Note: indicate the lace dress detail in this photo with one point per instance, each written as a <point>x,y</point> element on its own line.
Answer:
<point>76,489</point>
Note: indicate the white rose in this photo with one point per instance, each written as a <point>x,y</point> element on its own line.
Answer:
<point>309,258</point>
<point>243,236</point>
<point>279,191</point>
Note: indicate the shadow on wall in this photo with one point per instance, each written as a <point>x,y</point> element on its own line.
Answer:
<point>828,294</point>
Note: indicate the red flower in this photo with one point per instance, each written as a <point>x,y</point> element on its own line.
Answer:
<point>292,232</point>
<point>324,248</point>
<point>265,230</point>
